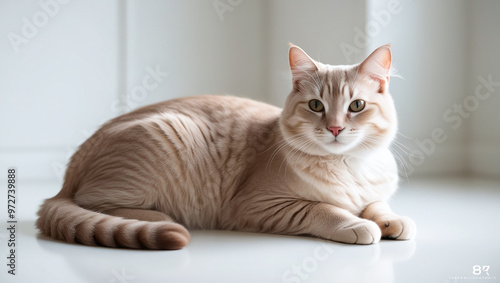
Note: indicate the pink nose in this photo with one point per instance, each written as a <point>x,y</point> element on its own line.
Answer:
<point>335,130</point>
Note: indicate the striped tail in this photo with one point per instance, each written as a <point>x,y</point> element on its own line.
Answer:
<point>63,219</point>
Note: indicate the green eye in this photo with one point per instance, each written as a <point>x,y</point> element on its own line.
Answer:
<point>357,105</point>
<point>316,105</point>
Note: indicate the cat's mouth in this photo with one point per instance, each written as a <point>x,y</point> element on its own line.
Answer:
<point>338,145</point>
<point>336,142</point>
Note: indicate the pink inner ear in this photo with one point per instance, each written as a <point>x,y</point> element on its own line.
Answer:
<point>377,66</point>
<point>300,62</point>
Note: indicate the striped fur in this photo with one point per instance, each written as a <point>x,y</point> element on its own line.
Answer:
<point>221,162</point>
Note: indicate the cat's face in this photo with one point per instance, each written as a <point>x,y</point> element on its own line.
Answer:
<point>339,109</point>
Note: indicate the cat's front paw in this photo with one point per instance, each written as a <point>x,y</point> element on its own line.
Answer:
<point>397,228</point>
<point>364,232</point>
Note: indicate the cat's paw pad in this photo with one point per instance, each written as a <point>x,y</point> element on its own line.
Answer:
<point>363,232</point>
<point>400,228</point>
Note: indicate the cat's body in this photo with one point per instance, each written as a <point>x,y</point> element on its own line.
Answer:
<point>220,162</point>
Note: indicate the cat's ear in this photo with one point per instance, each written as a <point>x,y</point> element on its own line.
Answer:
<point>377,67</point>
<point>301,64</point>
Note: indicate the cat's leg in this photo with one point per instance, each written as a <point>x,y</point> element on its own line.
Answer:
<point>347,228</point>
<point>300,217</point>
<point>139,214</point>
<point>392,225</point>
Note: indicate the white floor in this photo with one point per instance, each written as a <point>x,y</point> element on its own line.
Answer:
<point>457,222</point>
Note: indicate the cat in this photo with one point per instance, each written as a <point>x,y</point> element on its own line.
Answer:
<point>320,167</point>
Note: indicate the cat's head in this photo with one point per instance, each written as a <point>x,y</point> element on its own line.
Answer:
<point>339,109</point>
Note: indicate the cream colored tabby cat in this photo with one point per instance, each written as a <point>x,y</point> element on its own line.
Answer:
<point>320,167</point>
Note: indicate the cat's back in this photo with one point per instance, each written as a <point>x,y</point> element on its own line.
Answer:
<point>208,117</point>
<point>211,107</point>
<point>222,125</point>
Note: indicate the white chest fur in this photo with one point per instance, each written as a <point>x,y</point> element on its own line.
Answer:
<point>347,182</point>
